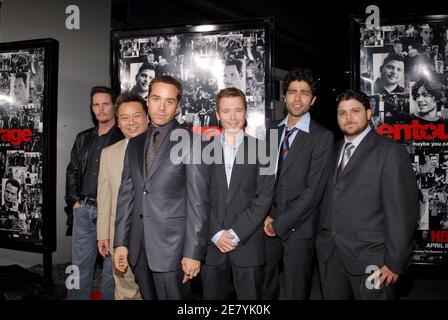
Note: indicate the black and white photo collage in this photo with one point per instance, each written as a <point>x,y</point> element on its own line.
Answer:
<point>21,128</point>
<point>204,63</point>
<point>404,70</point>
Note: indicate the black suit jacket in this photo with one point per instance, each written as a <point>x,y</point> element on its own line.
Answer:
<point>242,206</point>
<point>169,208</point>
<point>301,183</point>
<point>370,213</point>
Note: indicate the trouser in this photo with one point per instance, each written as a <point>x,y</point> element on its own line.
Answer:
<point>125,286</point>
<point>217,281</point>
<point>84,253</point>
<point>294,281</point>
<point>159,285</point>
<point>338,284</point>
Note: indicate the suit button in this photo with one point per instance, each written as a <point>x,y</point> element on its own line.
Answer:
<point>333,233</point>
<point>144,192</point>
<point>141,216</point>
<point>293,229</point>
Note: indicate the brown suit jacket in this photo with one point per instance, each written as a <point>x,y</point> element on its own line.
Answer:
<point>109,180</point>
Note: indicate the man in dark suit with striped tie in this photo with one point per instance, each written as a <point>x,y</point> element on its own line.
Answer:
<point>304,154</point>
<point>369,212</point>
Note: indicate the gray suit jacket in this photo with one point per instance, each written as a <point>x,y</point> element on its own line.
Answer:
<point>242,206</point>
<point>370,213</point>
<point>169,208</point>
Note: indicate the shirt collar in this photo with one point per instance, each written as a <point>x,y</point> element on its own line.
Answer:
<point>108,133</point>
<point>303,124</point>
<point>223,141</point>
<point>162,129</point>
<point>359,138</point>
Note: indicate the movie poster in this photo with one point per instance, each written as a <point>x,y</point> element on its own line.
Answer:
<point>21,128</point>
<point>204,63</point>
<point>404,70</point>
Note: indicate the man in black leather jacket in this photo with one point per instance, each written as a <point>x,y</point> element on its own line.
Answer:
<point>81,188</point>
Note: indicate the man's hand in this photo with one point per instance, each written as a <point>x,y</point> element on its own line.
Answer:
<point>76,205</point>
<point>103,247</point>
<point>191,268</point>
<point>121,259</point>
<point>268,228</point>
<point>225,243</point>
<point>385,275</point>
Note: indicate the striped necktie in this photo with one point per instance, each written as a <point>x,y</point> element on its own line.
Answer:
<point>284,150</point>
<point>285,144</point>
<point>347,154</point>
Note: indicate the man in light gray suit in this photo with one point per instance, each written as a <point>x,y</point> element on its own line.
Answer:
<point>162,208</point>
<point>369,211</point>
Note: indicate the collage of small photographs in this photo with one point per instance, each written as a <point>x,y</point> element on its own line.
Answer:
<point>205,64</point>
<point>21,144</point>
<point>404,70</point>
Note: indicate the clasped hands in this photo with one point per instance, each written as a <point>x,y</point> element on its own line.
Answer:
<point>226,244</point>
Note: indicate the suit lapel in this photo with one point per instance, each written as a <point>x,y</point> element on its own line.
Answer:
<point>294,150</point>
<point>121,147</point>
<point>364,147</point>
<point>336,155</point>
<point>238,169</point>
<point>118,151</point>
<point>163,152</point>
<point>279,137</point>
<point>219,167</point>
<point>141,145</point>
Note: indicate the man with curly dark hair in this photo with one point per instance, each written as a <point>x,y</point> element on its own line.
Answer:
<point>426,95</point>
<point>304,153</point>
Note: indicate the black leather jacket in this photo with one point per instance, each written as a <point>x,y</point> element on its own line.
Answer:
<point>78,162</point>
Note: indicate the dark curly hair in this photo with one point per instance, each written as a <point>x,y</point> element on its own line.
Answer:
<point>301,74</point>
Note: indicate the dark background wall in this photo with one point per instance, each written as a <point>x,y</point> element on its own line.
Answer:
<point>311,33</point>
